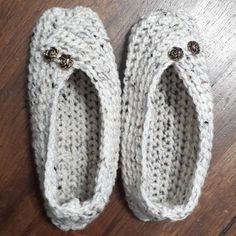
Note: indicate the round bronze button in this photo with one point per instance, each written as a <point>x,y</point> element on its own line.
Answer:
<point>175,54</point>
<point>193,47</point>
<point>66,61</point>
<point>51,53</point>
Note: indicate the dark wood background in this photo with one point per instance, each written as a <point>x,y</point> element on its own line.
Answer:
<point>21,207</point>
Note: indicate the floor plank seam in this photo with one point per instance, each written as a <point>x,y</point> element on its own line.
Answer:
<point>228,226</point>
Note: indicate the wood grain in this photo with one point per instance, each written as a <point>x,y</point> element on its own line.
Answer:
<point>21,207</point>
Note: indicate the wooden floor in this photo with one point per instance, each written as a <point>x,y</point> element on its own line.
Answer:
<point>21,207</point>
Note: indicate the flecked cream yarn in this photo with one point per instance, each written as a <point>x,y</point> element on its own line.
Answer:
<point>75,115</point>
<point>167,120</point>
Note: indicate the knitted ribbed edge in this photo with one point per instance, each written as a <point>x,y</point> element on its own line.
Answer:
<point>83,101</point>
<point>167,119</point>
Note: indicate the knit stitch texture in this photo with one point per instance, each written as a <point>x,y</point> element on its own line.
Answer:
<point>167,119</point>
<point>75,115</point>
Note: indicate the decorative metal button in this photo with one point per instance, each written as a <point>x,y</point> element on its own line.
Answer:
<point>194,47</point>
<point>66,61</point>
<point>176,53</point>
<point>51,54</point>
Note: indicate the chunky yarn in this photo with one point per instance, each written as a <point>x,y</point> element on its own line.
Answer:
<point>167,117</point>
<point>75,114</point>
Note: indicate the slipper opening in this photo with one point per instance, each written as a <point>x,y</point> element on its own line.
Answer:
<point>77,138</point>
<point>173,141</point>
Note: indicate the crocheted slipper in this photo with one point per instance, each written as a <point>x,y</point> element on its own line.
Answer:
<point>74,95</point>
<point>167,118</point>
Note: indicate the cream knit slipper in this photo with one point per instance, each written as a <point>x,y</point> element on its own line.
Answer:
<point>167,118</point>
<point>74,95</point>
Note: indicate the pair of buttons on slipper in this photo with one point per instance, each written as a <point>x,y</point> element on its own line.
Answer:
<point>65,61</point>
<point>75,103</point>
<point>177,53</point>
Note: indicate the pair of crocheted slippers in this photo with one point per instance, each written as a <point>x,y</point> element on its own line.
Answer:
<point>75,102</point>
